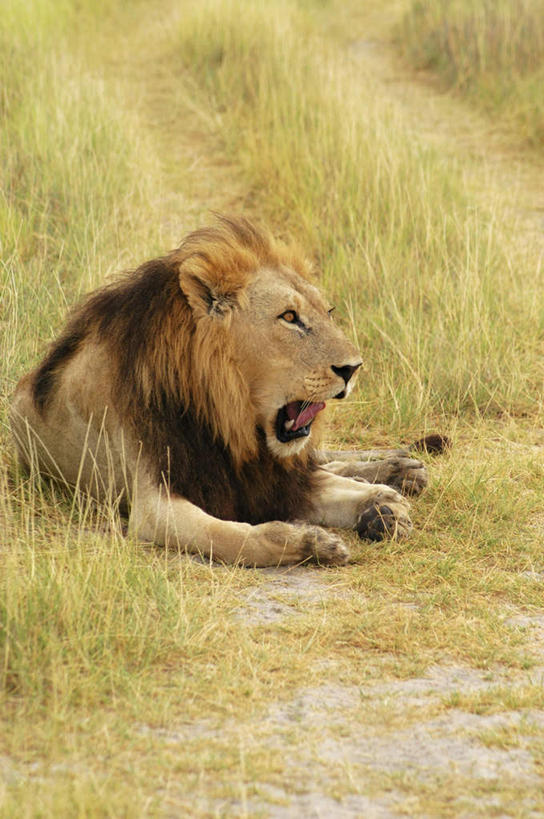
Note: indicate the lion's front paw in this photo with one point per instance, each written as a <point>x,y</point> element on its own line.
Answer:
<point>387,516</point>
<point>409,476</point>
<point>323,546</point>
<point>277,543</point>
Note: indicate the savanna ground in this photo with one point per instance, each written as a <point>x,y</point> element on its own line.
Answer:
<point>135,681</point>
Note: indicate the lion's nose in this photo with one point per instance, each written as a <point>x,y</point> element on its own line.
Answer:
<point>346,371</point>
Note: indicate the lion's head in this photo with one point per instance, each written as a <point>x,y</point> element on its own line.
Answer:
<point>264,349</point>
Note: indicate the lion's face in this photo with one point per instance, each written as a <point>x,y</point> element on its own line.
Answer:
<point>261,349</point>
<point>294,358</point>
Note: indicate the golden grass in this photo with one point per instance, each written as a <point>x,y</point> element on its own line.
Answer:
<point>68,193</point>
<point>491,52</point>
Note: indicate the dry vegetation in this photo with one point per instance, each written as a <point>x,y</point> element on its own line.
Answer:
<point>491,51</point>
<point>137,682</point>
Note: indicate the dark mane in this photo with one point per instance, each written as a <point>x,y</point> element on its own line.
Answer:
<point>58,356</point>
<point>196,466</point>
<point>124,315</point>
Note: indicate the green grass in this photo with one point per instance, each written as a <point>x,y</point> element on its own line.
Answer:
<point>491,52</point>
<point>132,681</point>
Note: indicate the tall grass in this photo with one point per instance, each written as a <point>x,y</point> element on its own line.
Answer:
<point>70,203</point>
<point>442,313</point>
<point>68,193</point>
<point>491,51</point>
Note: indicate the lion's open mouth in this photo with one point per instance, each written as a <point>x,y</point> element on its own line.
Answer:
<point>295,419</point>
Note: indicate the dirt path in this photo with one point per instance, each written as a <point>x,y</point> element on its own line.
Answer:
<point>197,179</point>
<point>194,178</point>
<point>498,169</point>
<point>343,740</point>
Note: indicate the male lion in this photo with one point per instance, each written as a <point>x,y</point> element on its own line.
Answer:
<point>190,392</point>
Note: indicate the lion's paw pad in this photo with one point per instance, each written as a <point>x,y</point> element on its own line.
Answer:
<point>379,522</point>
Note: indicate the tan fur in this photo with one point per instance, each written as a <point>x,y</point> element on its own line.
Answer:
<point>197,344</point>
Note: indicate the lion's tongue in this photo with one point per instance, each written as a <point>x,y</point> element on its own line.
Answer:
<point>301,417</point>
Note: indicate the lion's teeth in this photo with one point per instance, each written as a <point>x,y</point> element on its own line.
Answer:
<point>288,425</point>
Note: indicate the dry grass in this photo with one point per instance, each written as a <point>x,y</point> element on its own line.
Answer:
<point>491,52</point>
<point>134,681</point>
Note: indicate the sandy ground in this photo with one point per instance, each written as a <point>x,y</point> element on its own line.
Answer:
<point>326,729</point>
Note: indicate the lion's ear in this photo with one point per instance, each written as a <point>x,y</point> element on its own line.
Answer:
<point>207,298</point>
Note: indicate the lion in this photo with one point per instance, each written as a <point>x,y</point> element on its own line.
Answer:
<point>191,391</point>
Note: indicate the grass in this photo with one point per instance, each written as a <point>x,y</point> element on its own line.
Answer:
<point>68,192</point>
<point>491,52</point>
<point>133,681</point>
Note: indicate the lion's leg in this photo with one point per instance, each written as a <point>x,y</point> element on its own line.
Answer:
<point>374,510</point>
<point>327,455</point>
<point>407,475</point>
<point>173,521</point>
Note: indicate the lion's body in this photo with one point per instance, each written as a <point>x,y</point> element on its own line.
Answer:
<point>189,392</point>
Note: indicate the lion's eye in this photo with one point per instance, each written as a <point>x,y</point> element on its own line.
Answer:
<point>331,311</point>
<point>290,316</point>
